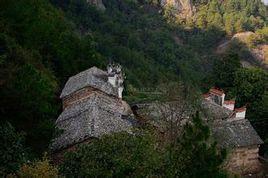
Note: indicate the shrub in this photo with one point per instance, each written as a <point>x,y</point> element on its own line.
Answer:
<point>12,153</point>
<point>41,168</point>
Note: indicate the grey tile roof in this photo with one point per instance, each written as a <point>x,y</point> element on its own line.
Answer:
<point>230,133</point>
<point>238,133</point>
<point>93,77</point>
<point>216,111</point>
<point>94,117</point>
<point>227,133</point>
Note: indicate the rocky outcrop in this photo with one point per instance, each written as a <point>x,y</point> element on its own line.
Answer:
<point>256,55</point>
<point>181,8</point>
<point>261,54</point>
<point>241,37</point>
<point>97,3</point>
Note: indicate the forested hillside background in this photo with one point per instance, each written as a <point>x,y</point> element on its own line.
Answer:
<point>42,43</point>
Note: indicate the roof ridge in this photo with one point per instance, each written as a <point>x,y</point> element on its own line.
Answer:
<point>92,77</point>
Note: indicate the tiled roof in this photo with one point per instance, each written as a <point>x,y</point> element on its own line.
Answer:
<point>93,77</point>
<point>228,102</point>
<point>216,111</point>
<point>216,91</point>
<point>227,132</point>
<point>242,109</point>
<point>93,117</point>
<point>238,133</point>
<point>206,95</point>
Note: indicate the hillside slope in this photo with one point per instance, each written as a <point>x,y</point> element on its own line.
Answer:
<point>44,43</point>
<point>137,36</point>
<point>252,50</point>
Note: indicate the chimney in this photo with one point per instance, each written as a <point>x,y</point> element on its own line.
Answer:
<point>111,74</point>
<point>116,78</point>
<point>240,113</point>
<point>217,96</point>
<point>120,91</point>
<point>120,81</point>
<point>112,80</point>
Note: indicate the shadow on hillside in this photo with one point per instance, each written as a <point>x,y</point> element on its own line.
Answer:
<point>245,53</point>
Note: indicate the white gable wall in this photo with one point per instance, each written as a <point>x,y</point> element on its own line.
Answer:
<point>229,106</point>
<point>241,115</point>
<point>112,80</point>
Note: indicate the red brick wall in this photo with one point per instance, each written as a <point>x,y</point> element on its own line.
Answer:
<point>76,96</point>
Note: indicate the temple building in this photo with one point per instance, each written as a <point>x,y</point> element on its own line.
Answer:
<point>92,107</point>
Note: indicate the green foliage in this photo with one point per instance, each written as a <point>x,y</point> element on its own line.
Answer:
<point>139,39</point>
<point>12,151</point>
<point>250,85</point>
<point>142,154</point>
<point>41,168</point>
<point>232,15</point>
<point>38,50</point>
<point>118,155</point>
<point>260,37</point>
<point>30,93</point>
<point>41,28</point>
<point>263,34</point>
<point>193,155</point>
<point>258,114</point>
<point>224,70</point>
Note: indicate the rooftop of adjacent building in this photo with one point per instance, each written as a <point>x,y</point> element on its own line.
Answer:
<point>229,129</point>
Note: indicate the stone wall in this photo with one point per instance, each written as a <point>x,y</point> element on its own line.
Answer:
<point>244,160</point>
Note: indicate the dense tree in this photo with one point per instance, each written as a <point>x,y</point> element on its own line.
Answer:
<point>139,39</point>
<point>193,155</point>
<point>118,155</point>
<point>142,154</point>
<point>250,85</point>
<point>224,70</point>
<point>232,15</point>
<point>33,99</point>
<point>38,51</point>
<point>12,151</point>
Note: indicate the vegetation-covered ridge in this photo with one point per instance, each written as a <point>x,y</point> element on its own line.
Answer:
<point>233,16</point>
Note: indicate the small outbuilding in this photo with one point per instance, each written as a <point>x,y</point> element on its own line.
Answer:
<point>234,132</point>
